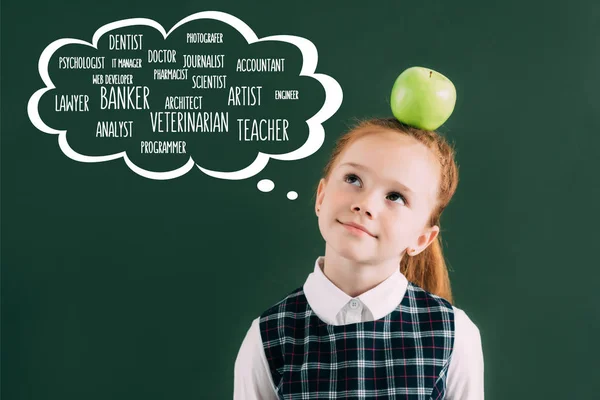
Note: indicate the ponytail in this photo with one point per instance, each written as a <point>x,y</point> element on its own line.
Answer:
<point>428,270</point>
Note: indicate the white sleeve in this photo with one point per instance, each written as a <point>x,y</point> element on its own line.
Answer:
<point>465,372</point>
<point>252,378</point>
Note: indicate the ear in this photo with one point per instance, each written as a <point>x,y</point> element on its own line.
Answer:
<point>320,195</point>
<point>426,238</point>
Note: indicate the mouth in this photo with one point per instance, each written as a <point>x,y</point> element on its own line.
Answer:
<point>356,228</point>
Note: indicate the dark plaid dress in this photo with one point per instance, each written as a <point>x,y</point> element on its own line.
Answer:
<point>404,355</point>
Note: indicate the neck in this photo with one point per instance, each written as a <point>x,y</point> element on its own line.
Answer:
<point>356,277</point>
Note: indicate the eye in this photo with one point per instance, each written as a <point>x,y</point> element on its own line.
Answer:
<point>353,178</point>
<point>399,196</point>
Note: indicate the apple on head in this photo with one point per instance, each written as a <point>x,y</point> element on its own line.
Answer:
<point>423,98</point>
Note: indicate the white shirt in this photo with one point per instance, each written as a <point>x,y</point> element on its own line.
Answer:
<point>252,377</point>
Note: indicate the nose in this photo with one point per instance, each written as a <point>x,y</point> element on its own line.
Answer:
<point>365,204</point>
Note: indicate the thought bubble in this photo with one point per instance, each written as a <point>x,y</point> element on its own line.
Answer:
<point>265,185</point>
<point>121,96</point>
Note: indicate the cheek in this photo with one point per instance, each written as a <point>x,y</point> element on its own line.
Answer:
<point>335,206</point>
<point>395,226</point>
<point>334,200</point>
<point>326,224</point>
<point>342,195</point>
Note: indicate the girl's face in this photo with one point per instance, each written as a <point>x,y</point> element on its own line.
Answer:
<point>386,182</point>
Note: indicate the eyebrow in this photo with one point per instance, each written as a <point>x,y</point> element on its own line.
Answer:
<point>355,165</point>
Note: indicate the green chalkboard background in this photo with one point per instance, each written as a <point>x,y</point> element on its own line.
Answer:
<point>116,286</point>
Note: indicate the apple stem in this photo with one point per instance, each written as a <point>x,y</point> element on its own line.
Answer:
<point>430,74</point>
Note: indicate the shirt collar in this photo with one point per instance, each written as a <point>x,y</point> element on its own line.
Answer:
<point>327,300</point>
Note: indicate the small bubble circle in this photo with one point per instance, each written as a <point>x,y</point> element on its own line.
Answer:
<point>265,185</point>
<point>292,195</point>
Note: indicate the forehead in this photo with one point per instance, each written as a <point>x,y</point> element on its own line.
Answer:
<point>393,156</point>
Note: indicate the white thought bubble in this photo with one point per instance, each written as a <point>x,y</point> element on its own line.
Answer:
<point>316,135</point>
<point>265,185</point>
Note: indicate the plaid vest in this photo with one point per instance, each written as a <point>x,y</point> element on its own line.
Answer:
<point>404,355</point>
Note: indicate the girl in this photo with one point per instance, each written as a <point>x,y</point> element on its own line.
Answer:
<point>375,317</point>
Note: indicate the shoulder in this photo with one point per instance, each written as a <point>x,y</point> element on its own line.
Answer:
<point>250,352</point>
<point>466,330</point>
<point>292,298</point>
<point>428,300</point>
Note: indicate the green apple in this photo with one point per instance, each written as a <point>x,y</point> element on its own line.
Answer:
<point>423,98</point>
